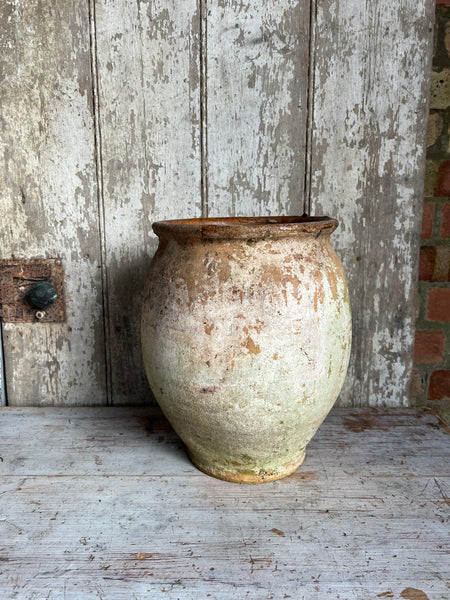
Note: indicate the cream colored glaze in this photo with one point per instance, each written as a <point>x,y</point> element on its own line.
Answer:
<point>246,345</point>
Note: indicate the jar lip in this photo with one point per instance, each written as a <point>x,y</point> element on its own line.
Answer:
<point>245,227</point>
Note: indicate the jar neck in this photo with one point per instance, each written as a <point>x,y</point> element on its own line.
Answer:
<point>245,228</point>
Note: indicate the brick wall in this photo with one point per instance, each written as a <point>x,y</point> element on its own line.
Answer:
<point>431,375</point>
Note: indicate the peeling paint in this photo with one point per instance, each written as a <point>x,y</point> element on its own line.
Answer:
<point>367,158</point>
<point>48,180</point>
<point>366,161</point>
<point>150,111</point>
<point>257,84</point>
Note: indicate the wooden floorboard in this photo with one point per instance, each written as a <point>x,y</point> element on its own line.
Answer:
<point>103,503</point>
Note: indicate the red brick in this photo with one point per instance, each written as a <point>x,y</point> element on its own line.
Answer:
<point>427,260</point>
<point>441,270</point>
<point>439,387</point>
<point>442,187</point>
<point>438,304</point>
<point>434,263</point>
<point>427,220</point>
<point>429,347</point>
<point>443,2</point>
<point>445,227</point>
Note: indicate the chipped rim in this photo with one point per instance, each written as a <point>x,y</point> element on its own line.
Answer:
<point>244,227</point>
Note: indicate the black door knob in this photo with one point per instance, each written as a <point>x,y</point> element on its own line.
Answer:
<point>42,294</point>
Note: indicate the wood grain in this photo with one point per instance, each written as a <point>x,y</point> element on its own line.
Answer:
<point>257,82</point>
<point>149,100</point>
<point>115,509</point>
<point>371,79</point>
<point>119,113</point>
<point>191,94</point>
<point>49,201</point>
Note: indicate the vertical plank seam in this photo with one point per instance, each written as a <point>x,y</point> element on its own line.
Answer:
<point>307,201</point>
<point>100,197</point>
<point>144,105</point>
<point>3,390</point>
<point>203,48</point>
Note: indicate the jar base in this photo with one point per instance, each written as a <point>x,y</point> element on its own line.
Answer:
<point>249,477</point>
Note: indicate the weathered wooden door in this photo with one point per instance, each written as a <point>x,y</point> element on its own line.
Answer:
<point>117,113</point>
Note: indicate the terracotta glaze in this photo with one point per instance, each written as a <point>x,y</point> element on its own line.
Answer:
<point>246,334</point>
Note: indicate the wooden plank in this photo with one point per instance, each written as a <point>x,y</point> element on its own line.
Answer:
<point>372,65</point>
<point>49,201</point>
<point>147,538</point>
<point>347,528</point>
<point>256,84</point>
<point>149,97</point>
<point>116,442</point>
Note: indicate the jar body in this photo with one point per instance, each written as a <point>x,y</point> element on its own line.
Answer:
<point>246,343</point>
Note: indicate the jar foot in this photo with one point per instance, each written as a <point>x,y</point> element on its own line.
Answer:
<point>248,476</point>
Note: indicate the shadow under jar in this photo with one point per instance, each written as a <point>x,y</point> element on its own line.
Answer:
<point>246,333</point>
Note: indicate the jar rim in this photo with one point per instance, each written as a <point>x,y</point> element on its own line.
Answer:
<point>245,227</point>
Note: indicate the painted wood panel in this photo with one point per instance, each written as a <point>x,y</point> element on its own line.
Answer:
<point>119,113</point>
<point>371,68</point>
<point>128,516</point>
<point>49,198</point>
<point>149,104</point>
<point>256,82</point>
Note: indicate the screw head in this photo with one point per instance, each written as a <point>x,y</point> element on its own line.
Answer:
<point>42,294</point>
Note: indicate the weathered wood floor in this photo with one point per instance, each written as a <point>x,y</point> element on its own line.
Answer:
<point>104,504</point>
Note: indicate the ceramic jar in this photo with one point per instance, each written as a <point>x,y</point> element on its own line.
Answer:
<point>246,333</point>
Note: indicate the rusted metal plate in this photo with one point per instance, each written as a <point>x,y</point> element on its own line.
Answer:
<point>16,279</point>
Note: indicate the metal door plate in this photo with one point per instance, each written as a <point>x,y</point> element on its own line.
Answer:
<point>16,278</point>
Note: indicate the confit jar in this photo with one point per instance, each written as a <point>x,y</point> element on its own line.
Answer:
<point>246,334</point>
